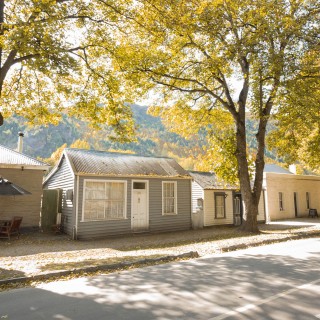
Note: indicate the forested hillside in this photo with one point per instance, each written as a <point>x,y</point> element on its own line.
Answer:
<point>152,138</point>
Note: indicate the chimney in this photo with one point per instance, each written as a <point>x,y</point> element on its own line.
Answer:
<point>293,168</point>
<point>20,142</point>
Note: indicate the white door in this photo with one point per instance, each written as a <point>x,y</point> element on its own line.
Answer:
<point>140,214</point>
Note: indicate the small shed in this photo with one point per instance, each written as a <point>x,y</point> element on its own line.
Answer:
<point>109,193</point>
<point>220,202</point>
<point>26,173</point>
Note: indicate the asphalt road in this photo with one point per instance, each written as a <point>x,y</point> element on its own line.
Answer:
<point>280,281</point>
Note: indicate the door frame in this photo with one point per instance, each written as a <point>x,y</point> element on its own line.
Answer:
<point>147,203</point>
<point>295,203</point>
<point>238,195</point>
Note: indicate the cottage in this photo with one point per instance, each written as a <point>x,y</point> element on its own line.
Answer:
<point>219,202</point>
<point>106,193</point>
<point>27,173</point>
<point>288,195</point>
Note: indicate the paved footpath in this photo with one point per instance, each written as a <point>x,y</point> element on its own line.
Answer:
<point>280,281</point>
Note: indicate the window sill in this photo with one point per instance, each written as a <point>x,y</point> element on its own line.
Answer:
<point>103,220</point>
<point>169,214</point>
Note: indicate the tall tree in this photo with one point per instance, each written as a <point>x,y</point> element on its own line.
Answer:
<point>55,57</point>
<point>190,53</point>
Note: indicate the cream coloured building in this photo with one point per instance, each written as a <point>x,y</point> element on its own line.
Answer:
<point>27,173</point>
<point>288,195</point>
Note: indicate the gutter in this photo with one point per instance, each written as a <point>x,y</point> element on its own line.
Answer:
<point>24,166</point>
<point>113,175</point>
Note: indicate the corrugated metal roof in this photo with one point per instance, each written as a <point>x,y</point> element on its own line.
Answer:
<point>208,180</point>
<point>11,157</point>
<point>122,164</point>
<point>275,169</point>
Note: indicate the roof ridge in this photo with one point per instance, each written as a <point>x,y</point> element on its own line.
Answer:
<point>118,153</point>
<point>208,172</point>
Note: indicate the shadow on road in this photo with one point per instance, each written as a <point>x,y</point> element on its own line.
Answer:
<point>198,289</point>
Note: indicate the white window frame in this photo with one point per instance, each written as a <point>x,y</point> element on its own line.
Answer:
<point>216,195</point>
<point>124,182</point>
<point>281,206</point>
<point>175,198</point>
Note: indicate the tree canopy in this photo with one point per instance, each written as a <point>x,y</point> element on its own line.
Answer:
<point>210,65</point>
<point>191,54</point>
<point>297,135</point>
<point>55,57</point>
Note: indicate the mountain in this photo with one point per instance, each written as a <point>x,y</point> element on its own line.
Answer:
<point>152,138</point>
<point>42,141</point>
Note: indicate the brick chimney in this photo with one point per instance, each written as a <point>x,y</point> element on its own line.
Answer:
<point>20,142</point>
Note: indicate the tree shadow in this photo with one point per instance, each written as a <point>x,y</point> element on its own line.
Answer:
<point>197,289</point>
<point>9,273</point>
<point>37,242</point>
<point>33,243</point>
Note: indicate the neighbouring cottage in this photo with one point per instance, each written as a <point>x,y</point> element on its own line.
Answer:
<point>107,193</point>
<point>219,203</point>
<point>27,173</point>
<point>289,195</point>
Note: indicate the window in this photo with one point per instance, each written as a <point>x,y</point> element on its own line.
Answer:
<point>308,200</point>
<point>220,205</point>
<point>281,201</point>
<point>139,185</point>
<point>104,200</point>
<point>169,198</point>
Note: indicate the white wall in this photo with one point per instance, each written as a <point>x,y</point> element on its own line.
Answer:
<point>197,192</point>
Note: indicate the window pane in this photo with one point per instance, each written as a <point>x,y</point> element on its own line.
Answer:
<point>116,191</point>
<point>139,185</point>
<point>95,190</point>
<point>94,210</point>
<point>104,200</point>
<point>166,190</point>
<point>169,198</point>
<point>171,190</point>
<point>220,205</point>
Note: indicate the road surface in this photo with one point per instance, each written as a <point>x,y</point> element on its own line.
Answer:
<point>280,281</point>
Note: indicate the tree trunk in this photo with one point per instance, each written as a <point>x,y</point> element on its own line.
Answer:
<point>1,27</point>
<point>250,211</point>
<point>250,199</point>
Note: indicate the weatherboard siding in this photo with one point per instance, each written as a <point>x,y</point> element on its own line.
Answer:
<point>179,221</point>
<point>157,221</point>
<point>209,208</point>
<point>197,193</point>
<point>64,179</point>
<point>27,206</point>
